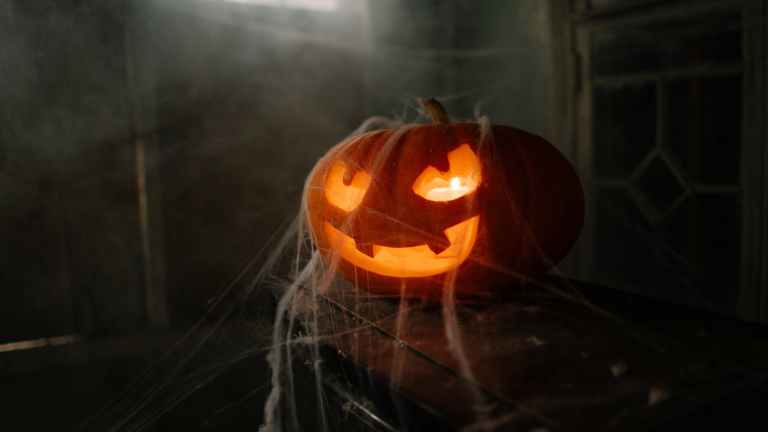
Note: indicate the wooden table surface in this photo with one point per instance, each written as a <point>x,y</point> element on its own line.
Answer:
<point>593,359</point>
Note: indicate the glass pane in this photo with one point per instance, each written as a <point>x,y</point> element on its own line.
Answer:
<point>621,240</point>
<point>678,230</point>
<point>658,185</point>
<point>692,258</point>
<point>624,128</point>
<point>704,127</point>
<point>631,255</point>
<point>706,232</point>
<point>718,235</point>
<point>671,44</point>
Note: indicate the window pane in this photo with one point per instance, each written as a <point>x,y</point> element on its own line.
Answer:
<point>706,232</point>
<point>692,258</point>
<point>704,127</point>
<point>658,185</point>
<point>627,253</point>
<point>624,128</point>
<point>718,261</point>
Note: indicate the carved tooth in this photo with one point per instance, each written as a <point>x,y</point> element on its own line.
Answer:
<point>366,248</point>
<point>440,244</point>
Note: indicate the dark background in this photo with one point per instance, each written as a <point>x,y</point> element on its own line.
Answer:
<point>150,148</point>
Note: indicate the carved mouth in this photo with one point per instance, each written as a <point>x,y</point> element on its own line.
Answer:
<point>411,261</point>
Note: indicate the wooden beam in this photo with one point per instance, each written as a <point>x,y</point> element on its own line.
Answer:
<point>141,96</point>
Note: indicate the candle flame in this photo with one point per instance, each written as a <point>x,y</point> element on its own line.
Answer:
<point>462,178</point>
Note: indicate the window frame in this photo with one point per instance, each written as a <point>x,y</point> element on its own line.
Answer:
<point>584,23</point>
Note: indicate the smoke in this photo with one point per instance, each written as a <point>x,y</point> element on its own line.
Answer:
<point>246,98</point>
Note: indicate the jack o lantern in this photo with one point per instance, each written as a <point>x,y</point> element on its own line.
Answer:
<point>408,207</point>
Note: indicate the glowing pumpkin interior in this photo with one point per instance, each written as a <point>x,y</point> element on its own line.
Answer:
<point>462,178</point>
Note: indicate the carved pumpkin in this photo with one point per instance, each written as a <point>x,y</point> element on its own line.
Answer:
<point>406,208</point>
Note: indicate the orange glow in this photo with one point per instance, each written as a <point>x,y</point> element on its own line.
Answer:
<point>345,197</point>
<point>462,178</point>
<point>413,261</point>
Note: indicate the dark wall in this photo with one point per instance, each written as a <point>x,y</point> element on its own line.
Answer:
<point>493,57</point>
<point>150,148</point>
<point>70,252</point>
<point>247,99</point>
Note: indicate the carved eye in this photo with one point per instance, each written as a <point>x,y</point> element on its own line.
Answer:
<point>463,177</point>
<point>345,196</point>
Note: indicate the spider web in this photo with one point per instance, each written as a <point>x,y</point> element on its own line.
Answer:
<point>319,312</point>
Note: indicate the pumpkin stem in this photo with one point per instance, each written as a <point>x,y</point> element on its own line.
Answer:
<point>435,111</point>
